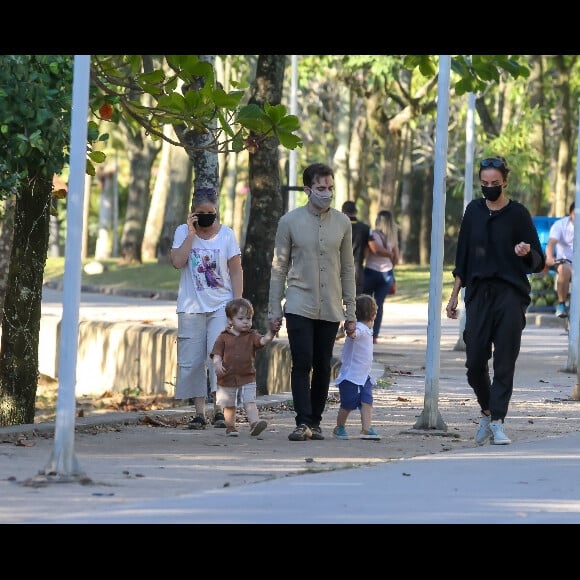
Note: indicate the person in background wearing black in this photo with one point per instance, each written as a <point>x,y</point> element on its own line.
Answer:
<point>360,238</point>
<point>498,246</point>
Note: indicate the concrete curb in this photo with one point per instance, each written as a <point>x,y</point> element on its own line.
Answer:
<point>131,418</point>
<point>114,291</point>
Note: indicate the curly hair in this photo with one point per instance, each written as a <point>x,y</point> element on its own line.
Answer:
<point>237,305</point>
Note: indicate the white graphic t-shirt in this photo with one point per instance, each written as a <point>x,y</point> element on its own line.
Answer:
<point>563,231</point>
<point>205,284</point>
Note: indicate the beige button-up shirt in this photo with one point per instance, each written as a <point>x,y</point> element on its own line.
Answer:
<point>313,266</point>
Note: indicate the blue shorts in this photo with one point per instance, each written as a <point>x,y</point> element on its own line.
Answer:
<point>351,395</point>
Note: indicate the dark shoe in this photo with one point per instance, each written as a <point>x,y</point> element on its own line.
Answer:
<point>316,434</point>
<point>301,433</point>
<point>219,421</point>
<point>197,423</point>
<point>257,427</point>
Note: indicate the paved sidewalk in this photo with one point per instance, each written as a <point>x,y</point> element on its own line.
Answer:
<point>531,482</point>
<point>139,473</point>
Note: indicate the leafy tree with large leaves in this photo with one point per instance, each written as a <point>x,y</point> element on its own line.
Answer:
<point>149,92</point>
<point>35,111</point>
<point>35,96</point>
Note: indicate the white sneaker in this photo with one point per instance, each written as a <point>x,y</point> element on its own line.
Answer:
<point>498,437</point>
<point>483,433</point>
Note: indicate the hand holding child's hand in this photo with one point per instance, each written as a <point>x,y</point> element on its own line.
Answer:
<point>350,327</point>
<point>275,325</point>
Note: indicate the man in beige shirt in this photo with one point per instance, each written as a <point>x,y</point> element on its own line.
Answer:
<point>313,270</point>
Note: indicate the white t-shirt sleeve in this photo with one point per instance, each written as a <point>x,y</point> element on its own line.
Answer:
<point>179,235</point>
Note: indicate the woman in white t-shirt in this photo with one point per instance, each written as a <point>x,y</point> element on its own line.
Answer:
<point>561,246</point>
<point>209,257</point>
<point>381,259</point>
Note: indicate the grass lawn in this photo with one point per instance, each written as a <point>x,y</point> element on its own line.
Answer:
<point>413,281</point>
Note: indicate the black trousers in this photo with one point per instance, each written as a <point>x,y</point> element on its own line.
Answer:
<point>495,317</point>
<point>311,345</point>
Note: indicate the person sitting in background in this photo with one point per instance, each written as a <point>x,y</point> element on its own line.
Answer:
<point>561,246</point>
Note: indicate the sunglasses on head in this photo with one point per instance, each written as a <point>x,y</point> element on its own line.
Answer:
<point>205,191</point>
<point>492,162</point>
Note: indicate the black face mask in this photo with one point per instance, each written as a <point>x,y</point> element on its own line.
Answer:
<point>205,220</point>
<point>491,193</point>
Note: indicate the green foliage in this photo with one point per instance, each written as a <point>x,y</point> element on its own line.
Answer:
<point>183,92</point>
<point>273,119</point>
<point>35,104</point>
<point>150,275</point>
<point>254,119</point>
<point>413,281</point>
<point>36,100</point>
<point>475,72</point>
<point>423,62</point>
<point>515,144</point>
<point>132,391</point>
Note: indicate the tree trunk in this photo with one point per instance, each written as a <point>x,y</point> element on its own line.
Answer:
<point>266,207</point>
<point>341,155</point>
<point>142,153</point>
<point>563,166</point>
<point>408,238</point>
<point>229,180</point>
<point>538,136</point>
<point>426,213</point>
<point>55,246</point>
<point>357,165</point>
<point>22,306</point>
<point>205,161</point>
<point>104,245</point>
<point>156,215</point>
<point>266,201</point>
<point>178,200</point>
<point>6,237</point>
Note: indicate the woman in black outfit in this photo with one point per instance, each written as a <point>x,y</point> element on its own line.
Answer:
<point>498,246</point>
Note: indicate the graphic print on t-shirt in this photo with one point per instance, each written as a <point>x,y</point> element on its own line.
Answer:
<point>205,269</point>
